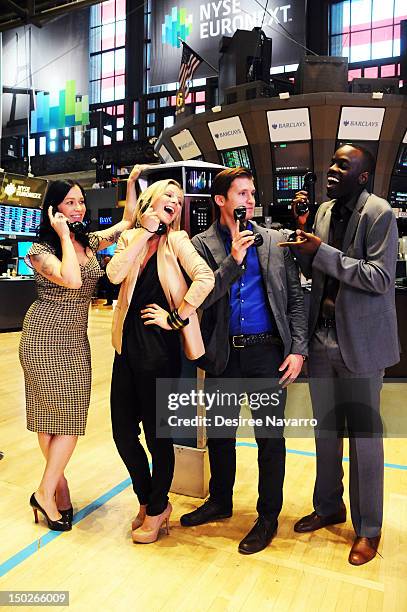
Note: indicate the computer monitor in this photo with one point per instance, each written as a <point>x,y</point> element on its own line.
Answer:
<point>23,248</point>
<point>23,269</point>
<point>398,192</point>
<point>285,188</point>
<point>291,157</point>
<point>235,158</point>
<point>401,163</point>
<point>199,181</point>
<point>18,220</point>
<point>109,250</point>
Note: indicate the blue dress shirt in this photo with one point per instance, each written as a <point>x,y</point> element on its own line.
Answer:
<point>250,312</point>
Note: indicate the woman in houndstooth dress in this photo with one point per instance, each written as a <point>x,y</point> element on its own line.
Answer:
<point>54,347</point>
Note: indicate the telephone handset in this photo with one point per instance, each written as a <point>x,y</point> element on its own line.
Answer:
<point>239,214</point>
<point>308,185</point>
<point>161,229</point>
<point>78,227</point>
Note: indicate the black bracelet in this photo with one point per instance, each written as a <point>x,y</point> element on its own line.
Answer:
<point>175,321</point>
<point>146,228</point>
<point>171,323</point>
<point>182,322</point>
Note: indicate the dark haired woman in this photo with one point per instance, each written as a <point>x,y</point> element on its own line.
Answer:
<point>154,311</point>
<point>54,347</point>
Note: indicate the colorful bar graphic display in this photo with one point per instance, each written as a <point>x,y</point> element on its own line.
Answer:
<point>71,110</point>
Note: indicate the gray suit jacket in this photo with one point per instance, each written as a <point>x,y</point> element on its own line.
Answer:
<point>365,310</point>
<point>283,288</point>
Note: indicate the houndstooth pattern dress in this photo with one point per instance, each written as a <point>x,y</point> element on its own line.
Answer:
<point>55,352</point>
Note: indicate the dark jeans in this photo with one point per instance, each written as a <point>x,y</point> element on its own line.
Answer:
<point>259,361</point>
<point>133,401</point>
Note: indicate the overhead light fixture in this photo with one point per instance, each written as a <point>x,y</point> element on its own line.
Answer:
<point>284,95</point>
<point>377,95</point>
<point>216,109</point>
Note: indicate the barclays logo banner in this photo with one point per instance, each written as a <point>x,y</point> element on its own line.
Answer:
<point>228,133</point>
<point>360,123</point>
<point>289,125</point>
<point>165,154</point>
<point>186,145</point>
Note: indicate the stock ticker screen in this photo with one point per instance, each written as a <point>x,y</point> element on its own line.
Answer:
<point>235,158</point>
<point>286,185</point>
<point>19,220</point>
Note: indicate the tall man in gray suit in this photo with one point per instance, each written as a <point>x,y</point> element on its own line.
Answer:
<point>351,257</point>
<point>254,326</point>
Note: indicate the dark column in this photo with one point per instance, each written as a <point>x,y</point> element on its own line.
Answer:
<point>317,22</point>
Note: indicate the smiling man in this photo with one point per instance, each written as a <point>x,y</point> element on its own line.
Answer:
<point>351,257</point>
<point>253,326</point>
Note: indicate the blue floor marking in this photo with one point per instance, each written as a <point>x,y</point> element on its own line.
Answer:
<point>49,536</point>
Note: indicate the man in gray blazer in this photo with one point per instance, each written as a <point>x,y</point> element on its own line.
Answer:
<point>254,326</point>
<point>351,257</point>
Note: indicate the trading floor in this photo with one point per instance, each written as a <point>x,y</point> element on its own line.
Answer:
<point>196,568</point>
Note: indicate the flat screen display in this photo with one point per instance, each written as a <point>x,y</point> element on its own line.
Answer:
<point>108,250</point>
<point>199,181</point>
<point>292,156</point>
<point>398,192</point>
<point>235,158</point>
<point>19,220</point>
<point>23,269</point>
<point>286,186</point>
<point>402,160</point>
<point>23,248</point>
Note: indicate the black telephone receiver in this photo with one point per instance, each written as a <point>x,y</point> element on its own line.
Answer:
<point>308,186</point>
<point>79,227</point>
<point>239,214</point>
<point>161,229</point>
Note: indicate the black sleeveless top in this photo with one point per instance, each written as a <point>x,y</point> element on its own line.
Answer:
<point>149,347</point>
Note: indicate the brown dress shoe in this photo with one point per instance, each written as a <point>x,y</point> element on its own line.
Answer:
<point>312,521</point>
<point>363,550</point>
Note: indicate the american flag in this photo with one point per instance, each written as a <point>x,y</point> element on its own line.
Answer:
<point>189,63</point>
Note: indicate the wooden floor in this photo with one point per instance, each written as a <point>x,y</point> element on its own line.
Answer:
<point>192,569</point>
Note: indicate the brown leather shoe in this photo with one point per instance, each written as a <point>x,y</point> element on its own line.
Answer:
<point>312,521</point>
<point>363,550</point>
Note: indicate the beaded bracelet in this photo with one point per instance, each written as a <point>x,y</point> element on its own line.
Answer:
<point>175,321</point>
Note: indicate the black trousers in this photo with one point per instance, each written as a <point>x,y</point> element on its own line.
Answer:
<point>133,401</point>
<point>259,361</point>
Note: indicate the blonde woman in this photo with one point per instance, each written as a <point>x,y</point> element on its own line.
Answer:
<point>155,312</point>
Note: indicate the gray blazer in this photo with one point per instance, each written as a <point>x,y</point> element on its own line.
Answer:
<point>283,288</point>
<point>365,310</point>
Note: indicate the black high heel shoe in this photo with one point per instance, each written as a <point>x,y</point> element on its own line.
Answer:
<point>59,525</point>
<point>67,515</point>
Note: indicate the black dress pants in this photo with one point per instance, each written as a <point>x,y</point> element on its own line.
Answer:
<point>259,361</point>
<point>133,401</point>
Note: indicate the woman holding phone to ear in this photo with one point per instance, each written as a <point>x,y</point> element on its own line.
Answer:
<point>155,311</point>
<point>54,347</point>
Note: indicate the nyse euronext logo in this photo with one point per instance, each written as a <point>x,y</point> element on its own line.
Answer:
<point>176,24</point>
